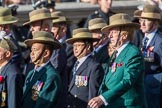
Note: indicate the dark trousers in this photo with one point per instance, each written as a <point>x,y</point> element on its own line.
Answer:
<point>75,102</point>
<point>153,84</point>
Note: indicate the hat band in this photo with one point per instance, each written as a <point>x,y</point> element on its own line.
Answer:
<point>39,16</point>
<point>83,34</point>
<point>98,26</point>
<point>43,38</point>
<point>8,17</point>
<point>151,15</point>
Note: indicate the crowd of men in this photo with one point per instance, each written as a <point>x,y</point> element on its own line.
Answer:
<point>111,61</point>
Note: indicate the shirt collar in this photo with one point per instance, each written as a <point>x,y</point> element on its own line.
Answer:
<point>119,50</point>
<point>150,36</point>
<point>81,60</point>
<point>39,68</point>
<point>62,39</point>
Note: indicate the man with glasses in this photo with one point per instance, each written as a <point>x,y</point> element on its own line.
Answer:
<point>150,43</point>
<point>87,73</point>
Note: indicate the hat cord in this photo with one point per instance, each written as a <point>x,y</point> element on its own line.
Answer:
<point>59,30</point>
<point>119,35</point>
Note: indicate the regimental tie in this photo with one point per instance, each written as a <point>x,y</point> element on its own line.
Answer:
<point>145,41</point>
<point>113,57</point>
<point>75,67</point>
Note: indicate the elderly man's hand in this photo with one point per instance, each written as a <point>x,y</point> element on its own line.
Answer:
<point>95,102</point>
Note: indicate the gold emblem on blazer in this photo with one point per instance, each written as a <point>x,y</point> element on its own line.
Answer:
<point>3,98</point>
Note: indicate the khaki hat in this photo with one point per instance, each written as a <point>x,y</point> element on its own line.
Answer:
<point>6,16</point>
<point>96,23</point>
<point>120,19</point>
<point>43,37</point>
<point>59,17</point>
<point>149,11</point>
<point>81,34</point>
<point>38,14</point>
<point>7,44</point>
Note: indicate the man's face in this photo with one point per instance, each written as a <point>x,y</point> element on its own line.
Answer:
<point>5,28</point>
<point>2,55</point>
<point>59,30</point>
<point>113,35</point>
<point>36,51</point>
<point>147,25</point>
<point>79,49</point>
<point>105,4</point>
<point>44,25</point>
<point>55,29</point>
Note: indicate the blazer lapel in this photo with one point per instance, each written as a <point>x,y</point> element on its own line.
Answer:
<point>4,74</point>
<point>83,66</point>
<point>152,43</point>
<point>120,58</point>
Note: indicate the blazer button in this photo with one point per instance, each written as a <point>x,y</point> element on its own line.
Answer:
<point>75,96</point>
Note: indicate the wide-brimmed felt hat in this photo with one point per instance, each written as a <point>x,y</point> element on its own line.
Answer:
<point>7,44</point>
<point>38,14</point>
<point>6,16</point>
<point>149,11</point>
<point>81,34</point>
<point>96,23</point>
<point>43,37</point>
<point>59,17</point>
<point>118,20</point>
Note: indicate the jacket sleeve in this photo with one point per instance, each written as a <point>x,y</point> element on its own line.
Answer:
<point>15,90</point>
<point>95,80</point>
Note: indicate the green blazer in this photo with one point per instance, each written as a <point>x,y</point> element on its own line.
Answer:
<point>123,86</point>
<point>48,94</point>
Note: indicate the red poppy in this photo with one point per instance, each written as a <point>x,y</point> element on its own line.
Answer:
<point>1,79</point>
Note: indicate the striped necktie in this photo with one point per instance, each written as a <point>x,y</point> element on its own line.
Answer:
<point>145,41</point>
<point>75,67</point>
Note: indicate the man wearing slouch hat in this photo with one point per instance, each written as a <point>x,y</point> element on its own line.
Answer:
<point>43,83</point>
<point>123,85</point>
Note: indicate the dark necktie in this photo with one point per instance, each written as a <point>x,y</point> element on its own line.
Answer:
<point>75,67</point>
<point>113,57</point>
<point>145,40</point>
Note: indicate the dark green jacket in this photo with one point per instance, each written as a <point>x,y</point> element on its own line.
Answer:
<point>124,88</point>
<point>49,92</point>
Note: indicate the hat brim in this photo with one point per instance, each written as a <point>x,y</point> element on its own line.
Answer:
<point>28,22</point>
<point>30,42</point>
<point>43,18</point>
<point>138,13</point>
<point>107,28</point>
<point>11,21</point>
<point>72,40</point>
